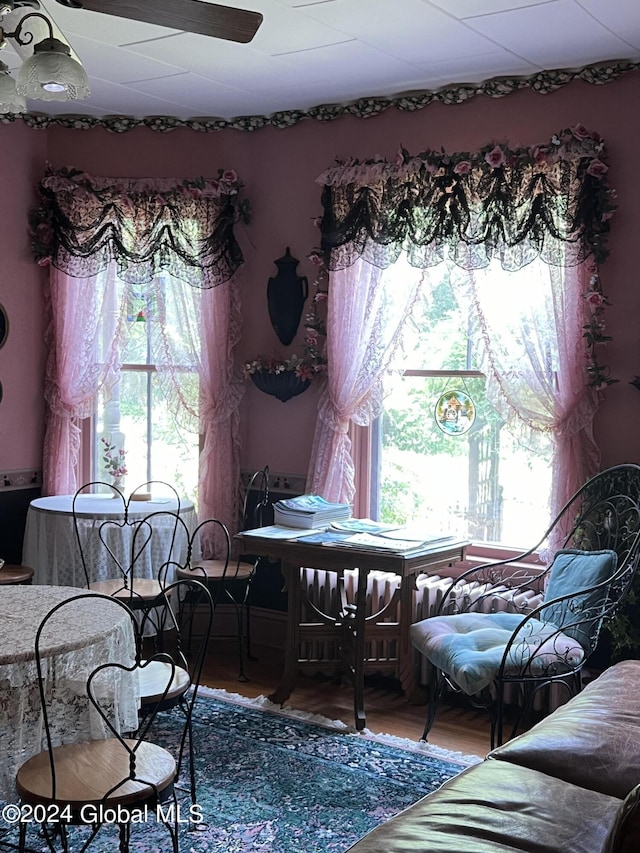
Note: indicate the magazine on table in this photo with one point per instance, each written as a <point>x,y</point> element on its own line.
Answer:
<point>383,543</point>
<point>361,525</point>
<point>308,511</point>
<point>276,531</point>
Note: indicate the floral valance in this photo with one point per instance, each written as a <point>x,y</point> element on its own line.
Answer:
<point>549,201</point>
<point>145,225</point>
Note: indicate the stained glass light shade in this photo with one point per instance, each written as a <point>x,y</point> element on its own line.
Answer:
<point>52,74</point>
<point>10,100</point>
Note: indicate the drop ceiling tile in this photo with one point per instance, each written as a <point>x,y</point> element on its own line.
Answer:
<point>472,8</point>
<point>203,97</point>
<point>291,4</point>
<point>360,64</point>
<point>222,61</point>
<point>420,33</point>
<point>565,36</point>
<point>621,17</point>
<point>290,29</point>
<point>107,28</point>
<point>119,66</point>
<point>476,69</point>
<point>115,99</point>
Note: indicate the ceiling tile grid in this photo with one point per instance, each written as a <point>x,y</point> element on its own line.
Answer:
<point>313,52</point>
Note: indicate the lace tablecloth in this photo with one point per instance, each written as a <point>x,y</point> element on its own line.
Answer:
<point>51,550</point>
<point>79,638</point>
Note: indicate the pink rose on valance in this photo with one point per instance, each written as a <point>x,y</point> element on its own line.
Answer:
<point>462,168</point>
<point>495,158</point>
<point>593,297</point>
<point>597,168</point>
<point>580,132</point>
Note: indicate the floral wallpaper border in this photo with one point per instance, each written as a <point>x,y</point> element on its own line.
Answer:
<point>544,82</point>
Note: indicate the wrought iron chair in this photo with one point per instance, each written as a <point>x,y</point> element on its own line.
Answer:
<point>110,773</point>
<point>172,677</point>
<point>488,641</point>
<point>122,562</point>
<point>230,580</point>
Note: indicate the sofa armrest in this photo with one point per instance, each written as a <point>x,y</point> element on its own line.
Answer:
<point>502,808</point>
<point>624,836</point>
<point>592,741</point>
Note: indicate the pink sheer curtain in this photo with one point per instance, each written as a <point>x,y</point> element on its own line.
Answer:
<point>534,357</point>
<point>221,390</point>
<point>76,369</point>
<point>365,314</point>
<point>171,244</point>
<point>548,201</point>
<point>88,315</point>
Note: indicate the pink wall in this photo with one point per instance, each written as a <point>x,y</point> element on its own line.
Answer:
<point>279,168</point>
<point>22,357</point>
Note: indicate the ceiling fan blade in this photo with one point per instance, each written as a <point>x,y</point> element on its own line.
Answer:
<point>193,16</point>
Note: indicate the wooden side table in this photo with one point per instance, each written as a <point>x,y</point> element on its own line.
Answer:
<point>15,574</point>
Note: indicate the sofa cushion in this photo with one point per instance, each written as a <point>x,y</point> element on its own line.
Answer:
<point>495,807</point>
<point>469,647</point>
<point>592,741</point>
<point>624,836</point>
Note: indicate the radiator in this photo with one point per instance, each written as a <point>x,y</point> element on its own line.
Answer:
<point>321,605</point>
<point>320,642</point>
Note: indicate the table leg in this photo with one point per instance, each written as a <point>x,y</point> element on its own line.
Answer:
<point>291,574</point>
<point>412,691</point>
<point>353,618</point>
<point>359,650</point>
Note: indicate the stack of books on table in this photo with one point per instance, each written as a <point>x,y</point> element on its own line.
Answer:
<point>308,511</point>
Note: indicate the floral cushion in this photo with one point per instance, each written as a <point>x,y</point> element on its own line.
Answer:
<point>469,647</point>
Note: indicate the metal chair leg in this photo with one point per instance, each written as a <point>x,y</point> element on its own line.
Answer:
<point>436,691</point>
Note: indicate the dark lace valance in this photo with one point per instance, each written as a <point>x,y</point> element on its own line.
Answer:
<point>144,225</point>
<point>543,83</point>
<point>549,201</point>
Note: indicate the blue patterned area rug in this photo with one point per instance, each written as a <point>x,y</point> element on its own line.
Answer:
<point>286,782</point>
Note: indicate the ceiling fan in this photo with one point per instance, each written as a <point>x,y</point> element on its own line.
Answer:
<point>193,16</point>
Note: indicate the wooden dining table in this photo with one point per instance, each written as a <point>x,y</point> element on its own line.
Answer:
<point>350,625</point>
<point>73,643</point>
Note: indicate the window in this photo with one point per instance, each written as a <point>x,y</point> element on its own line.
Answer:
<point>490,482</point>
<point>143,408</point>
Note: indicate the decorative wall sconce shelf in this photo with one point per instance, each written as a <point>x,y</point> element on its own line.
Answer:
<point>283,385</point>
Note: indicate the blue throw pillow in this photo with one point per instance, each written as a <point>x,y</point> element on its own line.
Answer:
<point>575,573</point>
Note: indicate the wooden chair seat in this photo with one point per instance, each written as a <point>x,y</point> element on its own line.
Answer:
<point>213,570</point>
<point>145,589</point>
<point>86,772</point>
<point>153,682</point>
<point>15,574</point>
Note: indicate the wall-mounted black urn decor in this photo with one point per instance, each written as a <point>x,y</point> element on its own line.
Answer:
<point>286,295</point>
<point>4,326</point>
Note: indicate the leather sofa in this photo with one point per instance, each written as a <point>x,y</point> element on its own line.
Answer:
<point>571,784</point>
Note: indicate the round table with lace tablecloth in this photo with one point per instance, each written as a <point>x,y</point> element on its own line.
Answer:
<point>78,638</point>
<point>51,547</point>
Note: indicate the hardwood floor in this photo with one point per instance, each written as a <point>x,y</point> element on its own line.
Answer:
<point>457,728</point>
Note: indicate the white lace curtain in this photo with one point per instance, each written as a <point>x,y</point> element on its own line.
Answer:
<point>493,209</point>
<point>85,324</point>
